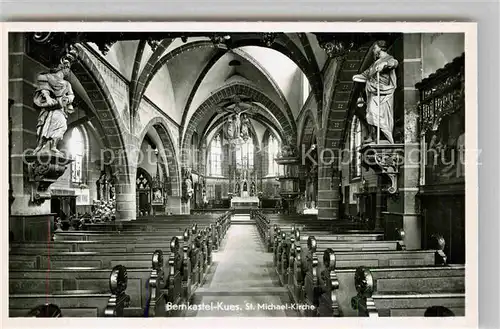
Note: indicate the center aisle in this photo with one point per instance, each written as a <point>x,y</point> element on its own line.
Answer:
<point>242,281</point>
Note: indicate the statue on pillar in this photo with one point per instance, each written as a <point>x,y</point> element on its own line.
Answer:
<point>380,80</point>
<point>54,97</point>
<point>101,186</point>
<point>187,184</point>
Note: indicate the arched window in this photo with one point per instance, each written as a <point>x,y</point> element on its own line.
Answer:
<point>77,151</point>
<point>216,156</point>
<point>245,155</point>
<point>306,89</point>
<point>355,147</point>
<point>272,151</point>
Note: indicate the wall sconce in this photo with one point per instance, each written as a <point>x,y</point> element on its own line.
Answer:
<point>156,151</point>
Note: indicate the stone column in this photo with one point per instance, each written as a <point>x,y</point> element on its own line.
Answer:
<point>28,221</point>
<point>30,217</point>
<point>403,208</point>
<point>174,205</point>
<point>126,199</point>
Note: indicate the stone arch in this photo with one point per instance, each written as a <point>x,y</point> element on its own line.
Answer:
<point>206,109</point>
<point>138,82</point>
<point>287,48</point>
<point>337,115</point>
<point>218,55</point>
<point>341,98</point>
<point>271,81</point>
<point>169,151</point>
<point>146,78</point>
<point>114,128</point>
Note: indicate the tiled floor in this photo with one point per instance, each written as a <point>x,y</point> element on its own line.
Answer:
<point>242,281</point>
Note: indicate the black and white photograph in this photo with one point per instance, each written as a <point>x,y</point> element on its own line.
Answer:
<point>241,172</point>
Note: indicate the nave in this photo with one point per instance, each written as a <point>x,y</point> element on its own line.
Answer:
<point>279,174</point>
<point>243,279</point>
<point>270,265</point>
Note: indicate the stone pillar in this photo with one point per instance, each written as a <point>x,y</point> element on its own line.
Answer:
<point>174,205</point>
<point>126,201</point>
<point>31,218</point>
<point>403,207</point>
<point>28,221</point>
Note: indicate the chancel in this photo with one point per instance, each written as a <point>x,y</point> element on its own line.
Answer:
<point>154,171</point>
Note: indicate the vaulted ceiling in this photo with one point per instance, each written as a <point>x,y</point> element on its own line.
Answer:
<point>188,74</point>
<point>181,74</point>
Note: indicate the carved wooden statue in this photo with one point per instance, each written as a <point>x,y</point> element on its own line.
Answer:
<point>54,97</point>
<point>187,184</point>
<point>380,80</point>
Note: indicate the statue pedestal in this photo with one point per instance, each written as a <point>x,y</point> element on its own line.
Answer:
<point>385,160</point>
<point>43,170</point>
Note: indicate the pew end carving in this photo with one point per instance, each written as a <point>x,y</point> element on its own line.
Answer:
<point>400,236</point>
<point>363,302</point>
<point>174,282</point>
<point>156,300</point>
<point>311,279</point>
<point>118,300</point>
<point>439,243</point>
<point>329,281</point>
<point>186,265</point>
<point>45,311</point>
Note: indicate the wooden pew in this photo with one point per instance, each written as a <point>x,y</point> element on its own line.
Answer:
<point>45,311</point>
<point>303,264</point>
<point>185,266</point>
<point>146,286</point>
<point>195,256</point>
<point>409,291</point>
<point>269,223</point>
<point>220,223</point>
<point>330,286</point>
<point>80,303</point>
<point>286,246</point>
<point>212,233</point>
<point>139,241</point>
<point>90,253</point>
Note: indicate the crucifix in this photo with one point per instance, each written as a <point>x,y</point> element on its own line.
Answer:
<point>236,110</point>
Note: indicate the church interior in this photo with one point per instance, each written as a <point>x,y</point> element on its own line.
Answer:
<point>162,174</point>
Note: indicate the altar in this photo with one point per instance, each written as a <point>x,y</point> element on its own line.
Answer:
<point>244,202</point>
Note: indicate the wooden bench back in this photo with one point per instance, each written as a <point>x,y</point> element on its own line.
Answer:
<point>78,303</point>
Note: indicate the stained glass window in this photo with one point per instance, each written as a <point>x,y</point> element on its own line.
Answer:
<point>245,155</point>
<point>216,156</point>
<point>273,149</point>
<point>306,89</point>
<point>77,151</point>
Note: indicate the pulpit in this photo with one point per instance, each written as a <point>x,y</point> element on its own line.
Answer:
<point>289,181</point>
